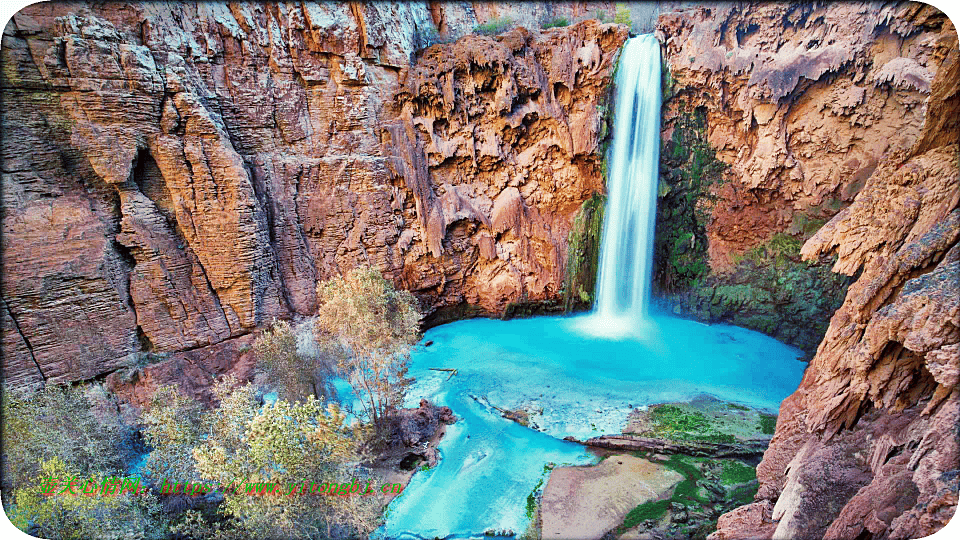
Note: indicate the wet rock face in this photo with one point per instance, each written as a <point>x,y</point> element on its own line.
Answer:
<point>846,114</point>
<point>177,174</point>
<point>799,104</point>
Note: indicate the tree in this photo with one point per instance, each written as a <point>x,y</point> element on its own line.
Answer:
<point>369,328</point>
<point>172,429</point>
<point>60,422</point>
<point>121,516</point>
<point>64,433</point>
<point>295,375</point>
<point>280,444</point>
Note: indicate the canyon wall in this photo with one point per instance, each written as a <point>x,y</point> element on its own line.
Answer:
<point>774,118</point>
<point>175,175</point>
<point>811,163</point>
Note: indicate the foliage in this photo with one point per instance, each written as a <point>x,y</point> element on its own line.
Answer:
<point>283,444</point>
<point>532,499</point>
<point>768,424</point>
<point>171,427</point>
<point>557,22</point>
<point>61,422</point>
<point>622,15</point>
<point>295,376</point>
<point>497,25</point>
<point>583,252</point>
<point>369,327</point>
<point>689,169</point>
<point>115,517</point>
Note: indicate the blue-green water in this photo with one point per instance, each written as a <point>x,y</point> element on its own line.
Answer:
<point>584,385</point>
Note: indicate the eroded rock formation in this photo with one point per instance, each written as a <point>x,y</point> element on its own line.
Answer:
<point>177,174</point>
<point>845,113</point>
<point>776,115</point>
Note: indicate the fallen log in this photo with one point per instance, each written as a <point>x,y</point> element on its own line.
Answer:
<point>633,443</point>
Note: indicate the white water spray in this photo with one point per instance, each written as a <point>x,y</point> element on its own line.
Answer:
<point>626,251</point>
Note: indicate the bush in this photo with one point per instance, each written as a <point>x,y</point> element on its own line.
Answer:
<point>283,444</point>
<point>558,22</point>
<point>623,15</point>
<point>64,433</point>
<point>171,427</point>
<point>117,517</point>
<point>497,25</point>
<point>60,422</point>
<point>369,328</point>
<point>294,375</point>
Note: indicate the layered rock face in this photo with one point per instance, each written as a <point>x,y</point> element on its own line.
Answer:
<point>775,117</point>
<point>845,114</point>
<point>177,174</point>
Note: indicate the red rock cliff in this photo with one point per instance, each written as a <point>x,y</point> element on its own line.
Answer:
<point>849,113</point>
<point>177,174</point>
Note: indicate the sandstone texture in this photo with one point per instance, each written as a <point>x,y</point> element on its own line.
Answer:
<point>176,175</point>
<point>775,116</point>
<point>837,126</point>
<point>586,502</point>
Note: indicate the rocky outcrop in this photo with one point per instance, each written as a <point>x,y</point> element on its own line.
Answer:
<point>177,174</point>
<point>775,116</point>
<point>845,115</point>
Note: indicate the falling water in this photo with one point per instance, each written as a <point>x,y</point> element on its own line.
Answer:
<point>626,252</point>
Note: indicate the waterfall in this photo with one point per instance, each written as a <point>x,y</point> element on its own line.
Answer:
<point>626,251</point>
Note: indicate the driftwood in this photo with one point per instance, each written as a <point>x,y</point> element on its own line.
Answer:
<point>746,448</point>
<point>451,370</point>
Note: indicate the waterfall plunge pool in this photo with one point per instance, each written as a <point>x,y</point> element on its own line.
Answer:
<point>584,385</point>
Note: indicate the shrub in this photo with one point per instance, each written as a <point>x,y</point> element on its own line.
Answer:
<point>557,22</point>
<point>294,375</point>
<point>369,328</point>
<point>767,424</point>
<point>60,422</point>
<point>171,427</point>
<point>281,443</point>
<point>497,25</point>
<point>622,15</point>
<point>116,517</point>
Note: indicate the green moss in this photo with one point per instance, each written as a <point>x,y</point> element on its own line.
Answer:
<point>735,472</point>
<point>688,169</point>
<point>672,422</point>
<point>648,510</point>
<point>768,424</point>
<point>583,253</point>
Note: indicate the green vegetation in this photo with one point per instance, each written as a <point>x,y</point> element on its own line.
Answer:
<point>768,424</point>
<point>583,253</point>
<point>689,168</point>
<point>70,424</point>
<point>532,499</point>
<point>368,328</point>
<point>702,494</point>
<point>112,517</point>
<point>497,25</point>
<point>557,22</point>
<point>61,434</point>
<point>293,375</point>
<point>673,422</point>
<point>281,443</point>
<point>735,472</point>
<point>622,15</point>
